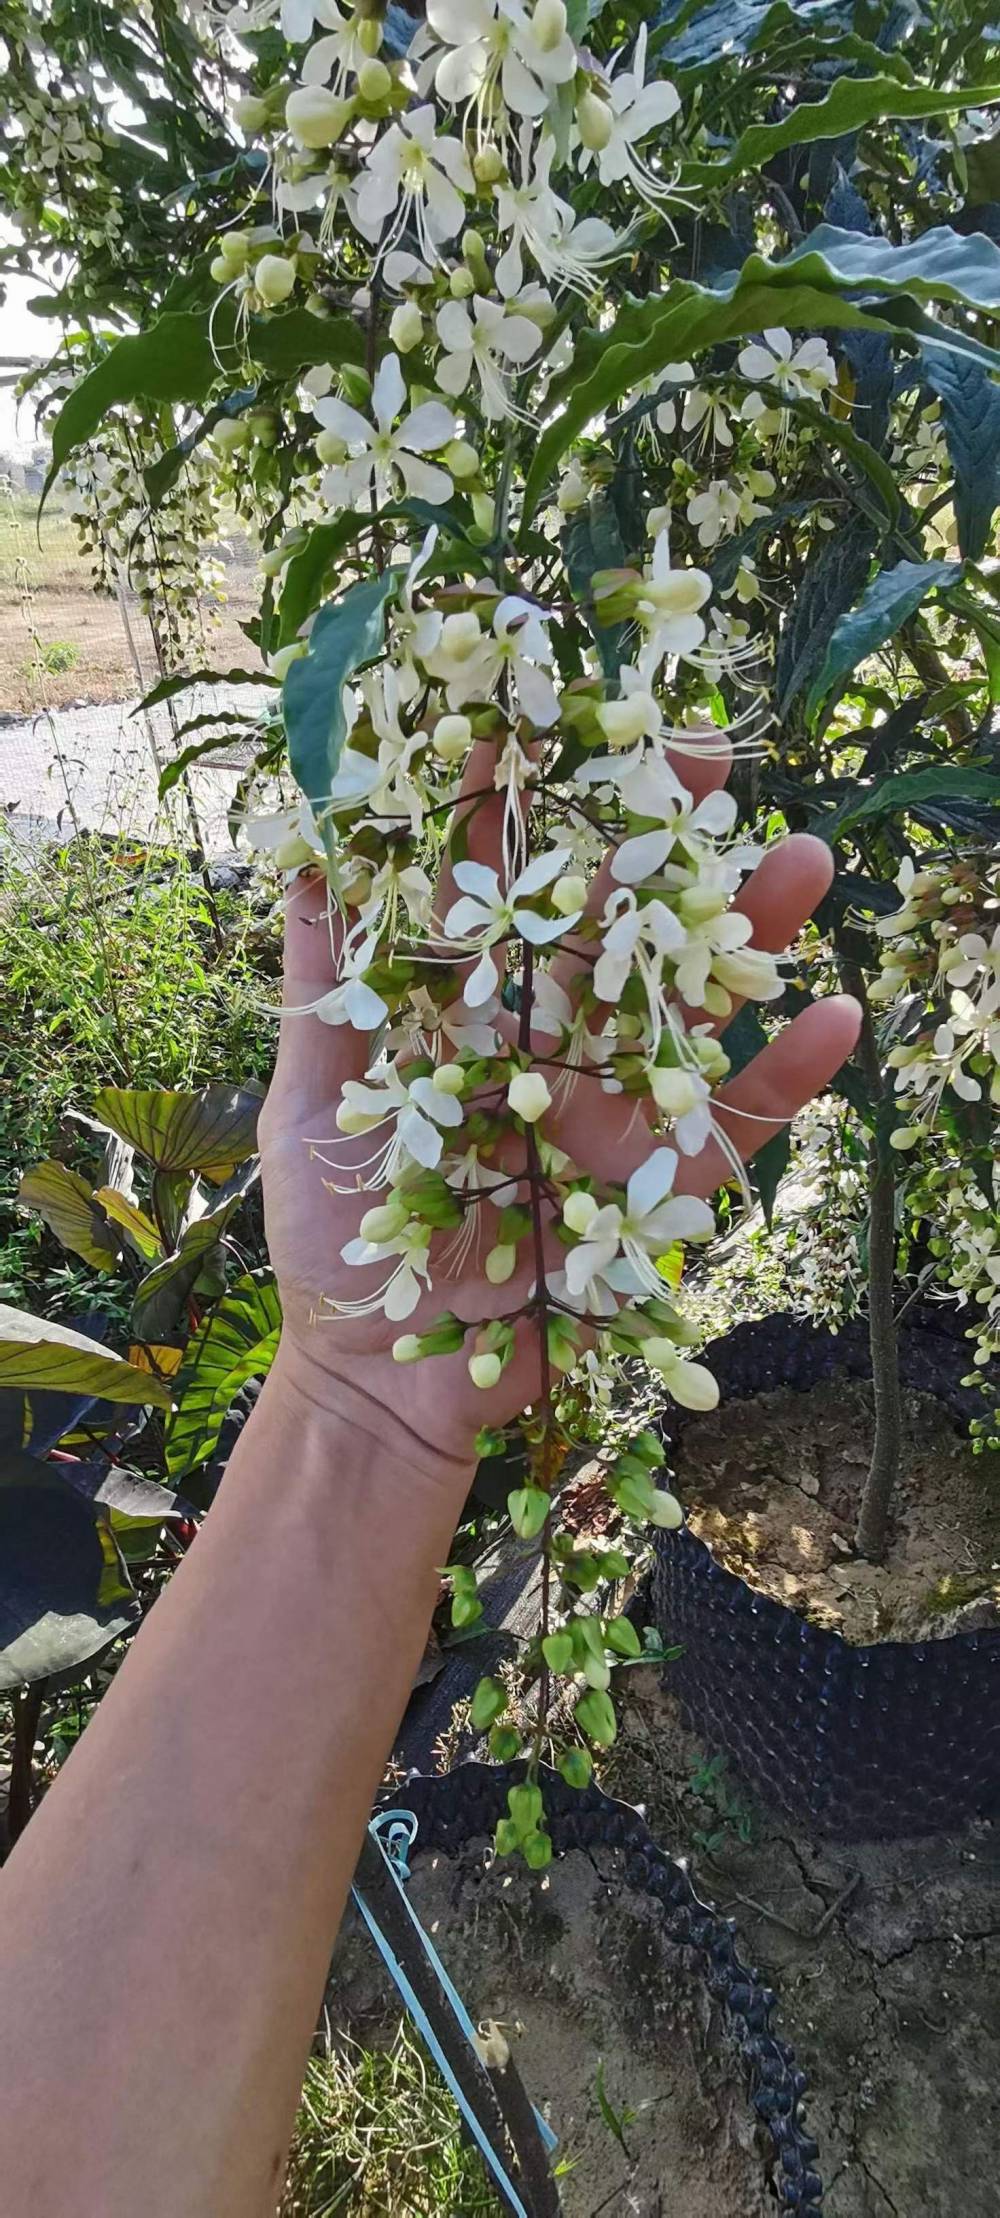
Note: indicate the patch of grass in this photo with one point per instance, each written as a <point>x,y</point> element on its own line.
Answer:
<point>378,2137</point>
<point>957,1587</point>
<point>56,656</point>
<point>112,972</point>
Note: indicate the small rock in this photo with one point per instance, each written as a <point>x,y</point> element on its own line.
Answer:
<point>809,1483</point>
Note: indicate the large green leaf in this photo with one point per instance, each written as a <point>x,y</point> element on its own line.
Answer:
<point>944,786</point>
<point>209,1131</point>
<point>970,412</point>
<point>346,634</point>
<point>851,103</point>
<point>236,1343</point>
<point>34,1352</point>
<point>72,1211</point>
<point>161,1297</point>
<point>889,601</point>
<point>64,1594</point>
<point>801,292</point>
<point>172,361</point>
<point>308,573</point>
<point>168,688</point>
<point>298,340</point>
<point>592,541</point>
<point>836,570</point>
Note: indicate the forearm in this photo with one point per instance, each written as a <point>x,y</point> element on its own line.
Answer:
<point>207,1827</point>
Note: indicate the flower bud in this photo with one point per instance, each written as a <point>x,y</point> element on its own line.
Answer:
<point>461,458</point>
<point>369,34</point>
<point>406,326</point>
<point>525,1806</point>
<point>449,1078</point>
<point>557,1649</point>
<point>488,1703</point>
<point>330,447</point>
<point>384,1223</point>
<point>250,112</point>
<point>623,722</point>
<point>461,634</point>
<point>220,270</point>
<point>488,165</point>
<point>579,1211</point>
<point>905,1137</point>
<point>292,853</point>
<point>315,116</point>
<point>452,738</point>
<point>529,1096</point>
<point>595,1716</point>
<point>569,895</point>
<point>230,435</point>
<point>594,121</point>
<point>461,283</point>
<point>673,1091</point>
<point>274,278</point>
<point>500,1264</point>
<point>484,1370</point>
<point>407,1348</point>
<point>528,1508</point>
<point>234,246</point>
<point>482,509</point>
<point>577,1767</point>
<point>280,664</point>
<point>548,24</point>
<point>374,81</point>
<point>665,1509</point>
<point>750,971</point>
<point>698,904</point>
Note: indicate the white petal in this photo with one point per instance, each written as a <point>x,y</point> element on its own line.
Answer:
<point>479,879</point>
<point>388,392</point>
<point>467,918</point>
<point>365,1008</point>
<point>428,427</point>
<point>651,1182</point>
<point>684,1217</point>
<point>640,858</point>
<point>537,874</point>
<point>483,982</point>
<point>402,1296</point>
<point>541,930</point>
<point>424,481</point>
<point>349,425</point>
<point>420,1138</point>
<point>537,694</point>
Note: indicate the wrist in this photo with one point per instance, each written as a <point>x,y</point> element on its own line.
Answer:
<point>325,1400</point>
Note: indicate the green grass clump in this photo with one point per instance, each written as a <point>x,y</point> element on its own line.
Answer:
<point>378,2137</point>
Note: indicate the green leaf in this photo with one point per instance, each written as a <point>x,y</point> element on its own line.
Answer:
<point>236,1343</point>
<point>139,1230</point>
<point>836,572</point>
<point>891,598</point>
<point>72,1211</point>
<point>970,412</point>
<point>801,292</point>
<point>64,1593</point>
<point>592,541</point>
<point>346,634</point>
<point>851,103</point>
<point>172,361</point>
<point>943,784</point>
<point>34,1352</point>
<point>168,688</point>
<point>298,340</point>
<point>767,1169</point>
<point>210,1131</point>
<point>162,1296</point>
<point>308,572</point>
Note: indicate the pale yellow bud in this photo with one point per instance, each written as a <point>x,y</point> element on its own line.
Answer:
<point>548,23</point>
<point>461,458</point>
<point>569,895</point>
<point>579,1211</point>
<point>274,278</point>
<point>460,636</point>
<point>384,1222</point>
<point>280,664</point>
<point>697,904</point>
<point>594,121</point>
<point>500,1263</point>
<point>905,1137</point>
<point>369,34</point>
<point>250,113</point>
<point>452,738</point>
<point>461,283</point>
<point>488,165</point>
<point>673,1091</point>
<point>330,447</point>
<point>665,1509</point>
<point>484,1370</point>
<point>293,853</point>
<point>529,1096</point>
<point>220,270</point>
<point>692,1385</point>
<point>407,1348</point>
<point>315,116</point>
<point>448,1078</point>
<point>623,722</point>
<point>374,81</point>
<point>406,326</point>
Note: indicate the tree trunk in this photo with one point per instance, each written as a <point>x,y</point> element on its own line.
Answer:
<point>873,1516</point>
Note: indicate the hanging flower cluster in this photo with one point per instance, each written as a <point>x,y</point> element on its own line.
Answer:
<point>451,195</point>
<point>940,977</point>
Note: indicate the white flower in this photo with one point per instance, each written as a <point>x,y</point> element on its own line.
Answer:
<point>492,338</point>
<point>469,660</point>
<point>416,1112</point>
<point>380,453</point>
<point>636,109</point>
<point>637,938</point>
<point>809,370</point>
<point>725,506</point>
<point>332,60</point>
<point>493,44</point>
<point>711,412</point>
<point>567,252</point>
<point>399,1294</point>
<point>413,176</point>
<point>668,607</point>
<point>647,1225</point>
<point>486,914</point>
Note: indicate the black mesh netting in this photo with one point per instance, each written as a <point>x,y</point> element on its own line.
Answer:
<point>864,1742</point>
<point>466,1804</point>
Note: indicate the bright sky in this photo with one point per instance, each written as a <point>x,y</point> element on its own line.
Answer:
<point>21,334</point>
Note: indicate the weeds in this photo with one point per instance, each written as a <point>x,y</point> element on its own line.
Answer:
<point>378,2136</point>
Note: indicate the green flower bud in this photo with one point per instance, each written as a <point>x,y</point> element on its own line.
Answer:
<point>488,1703</point>
<point>623,1638</point>
<point>501,1263</point>
<point>484,1370</point>
<point>557,1649</point>
<point>528,1508</point>
<point>594,121</point>
<point>506,1837</point>
<point>274,278</point>
<point>488,165</point>
<point>505,1744</point>
<point>374,82</point>
<point>525,1805</point>
<point>536,1848</point>
<point>577,1767</point>
<point>595,1715</point>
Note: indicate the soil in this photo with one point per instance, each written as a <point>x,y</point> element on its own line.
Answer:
<point>773,1486</point>
<point>575,1968</point>
<point>886,1962</point>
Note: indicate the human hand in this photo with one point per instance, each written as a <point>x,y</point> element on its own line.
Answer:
<point>431,1410</point>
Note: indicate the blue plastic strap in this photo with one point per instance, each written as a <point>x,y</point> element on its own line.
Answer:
<point>400,1827</point>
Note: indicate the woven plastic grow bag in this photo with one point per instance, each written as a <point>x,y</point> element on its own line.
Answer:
<point>862,1742</point>
<point>465,1805</point>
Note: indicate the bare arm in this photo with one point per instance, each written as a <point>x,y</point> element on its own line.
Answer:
<point>166,1920</point>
